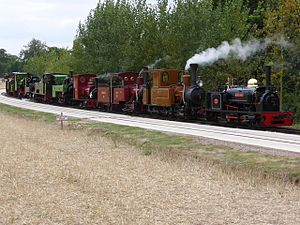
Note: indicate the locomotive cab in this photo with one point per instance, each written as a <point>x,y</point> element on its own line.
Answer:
<point>15,84</point>
<point>78,89</point>
<point>50,88</point>
<point>29,85</point>
<point>162,90</point>
<point>173,93</point>
<point>117,91</point>
<point>164,83</point>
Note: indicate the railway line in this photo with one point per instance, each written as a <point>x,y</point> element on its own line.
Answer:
<point>286,130</point>
<point>258,138</point>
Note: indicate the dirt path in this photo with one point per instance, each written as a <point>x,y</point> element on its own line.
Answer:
<point>49,176</point>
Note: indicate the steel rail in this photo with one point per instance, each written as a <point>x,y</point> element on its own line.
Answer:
<point>265,139</point>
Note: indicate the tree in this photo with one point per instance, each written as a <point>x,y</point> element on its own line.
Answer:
<point>284,22</point>
<point>120,35</point>
<point>33,48</point>
<point>101,40</point>
<point>58,60</point>
<point>8,63</point>
<point>38,58</point>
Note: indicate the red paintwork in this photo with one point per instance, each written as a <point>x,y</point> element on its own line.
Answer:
<point>103,94</point>
<point>90,103</point>
<point>121,95</point>
<point>48,97</point>
<point>82,85</point>
<point>140,80</point>
<point>276,119</point>
<point>131,78</point>
<point>21,92</point>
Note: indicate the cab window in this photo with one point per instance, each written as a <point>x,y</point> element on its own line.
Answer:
<point>165,77</point>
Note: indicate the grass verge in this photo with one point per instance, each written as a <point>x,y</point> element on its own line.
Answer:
<point>230,160</point>
<point>171,145</point>
<point>26,113</point>
<point>296,125</point>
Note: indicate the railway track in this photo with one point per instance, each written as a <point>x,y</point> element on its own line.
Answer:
<point>259,138</point>
<point>286,130</point>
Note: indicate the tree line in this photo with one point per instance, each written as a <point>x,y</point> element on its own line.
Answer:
<point>127,35</point>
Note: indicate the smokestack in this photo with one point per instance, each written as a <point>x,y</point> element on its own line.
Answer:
<point>194,68</point>
<point>145,74</point>
<point>268,77</point>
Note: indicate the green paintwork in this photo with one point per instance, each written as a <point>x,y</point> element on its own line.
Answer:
<point>59,79</point>
<point>50,85</point>
<point>57,89</point>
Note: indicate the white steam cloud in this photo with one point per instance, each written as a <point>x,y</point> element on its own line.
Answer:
<point>236,48</point>
<point>166,58</point>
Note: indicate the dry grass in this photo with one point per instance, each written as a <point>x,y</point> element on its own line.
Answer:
<point>240,159</point>
<point>49,176</point>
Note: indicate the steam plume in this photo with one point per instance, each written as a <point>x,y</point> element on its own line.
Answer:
<point>166,58</point>
<point>236,48</point>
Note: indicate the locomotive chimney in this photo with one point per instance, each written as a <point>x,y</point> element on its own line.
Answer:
<point>70,74</point>
<point>194,68</point>
<point>268,77</point>
<point>145,74</point>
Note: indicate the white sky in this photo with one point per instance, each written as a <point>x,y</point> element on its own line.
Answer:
<point>52,21</point>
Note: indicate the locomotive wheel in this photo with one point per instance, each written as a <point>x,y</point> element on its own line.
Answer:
<point>212,117</point>
<point>19,95</point>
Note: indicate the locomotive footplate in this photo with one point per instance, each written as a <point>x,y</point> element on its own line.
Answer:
<point>273,119</point>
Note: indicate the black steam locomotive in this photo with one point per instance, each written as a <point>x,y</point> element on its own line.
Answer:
<point>253,105</point>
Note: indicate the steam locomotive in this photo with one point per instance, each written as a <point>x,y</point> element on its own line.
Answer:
<point>19,84</point>
<point>252,105</point>
<point>169,93</point>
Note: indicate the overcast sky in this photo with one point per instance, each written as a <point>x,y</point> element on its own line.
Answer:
<point>52,21</point>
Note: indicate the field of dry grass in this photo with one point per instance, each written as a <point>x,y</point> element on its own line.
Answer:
<point>53,176</point>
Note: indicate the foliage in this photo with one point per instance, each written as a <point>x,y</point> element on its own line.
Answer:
<point>33,49</point>
<point>123,35</point>
<point>8,63</point>
<point>117,36</point>
<point>46,59</point>
<point>126,35</point>
<point>285,20</point>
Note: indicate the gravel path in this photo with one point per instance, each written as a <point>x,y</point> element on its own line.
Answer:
<point>49,176</point>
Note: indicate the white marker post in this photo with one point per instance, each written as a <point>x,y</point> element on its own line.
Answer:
<point>61,118</point>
